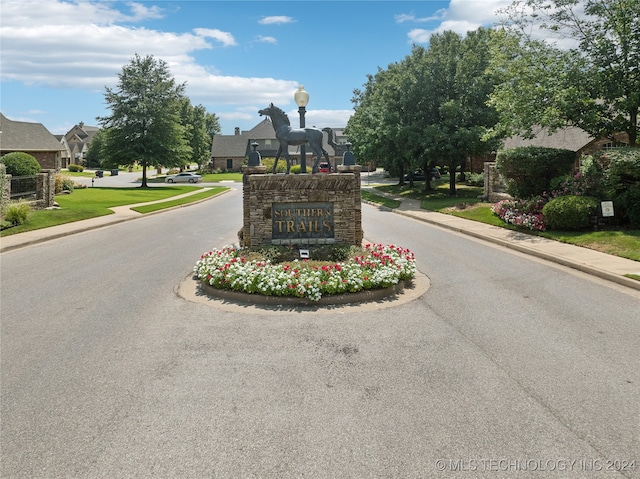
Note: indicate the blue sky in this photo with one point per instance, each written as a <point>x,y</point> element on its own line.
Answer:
<point>235,56</point>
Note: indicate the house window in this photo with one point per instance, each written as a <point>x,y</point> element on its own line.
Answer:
<point>267,144</point>
<point>614,144</point>
<point>229,164</point>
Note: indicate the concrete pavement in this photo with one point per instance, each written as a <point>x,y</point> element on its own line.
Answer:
<point>605,266</point>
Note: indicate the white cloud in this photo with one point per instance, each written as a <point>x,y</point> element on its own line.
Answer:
<point>404,17</point>
<point>37,52</point>
<point>26,13</point>
<point>263,39</point>
<point>82,46</point>
<point>322,118</point>
<point>141,12</point>
<point>40,54</point>
<point>480,12</point>
<point>225,38</point>
<point>275,20</point>
<point>461,17</point>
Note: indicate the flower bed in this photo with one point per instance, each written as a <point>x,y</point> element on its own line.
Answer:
<point>527,213</point>
<point>378,266</point>
<point>511,211</point>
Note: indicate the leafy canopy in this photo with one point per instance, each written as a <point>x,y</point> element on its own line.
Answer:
<point>584,73</point>
<point>145,123</point>
<point>428,109</point>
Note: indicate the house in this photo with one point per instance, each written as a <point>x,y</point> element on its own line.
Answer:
<point>228,152</point>
<point>77,142</point>
<point>569,138</point>
<point>31,138</point>
<point>65,159</point>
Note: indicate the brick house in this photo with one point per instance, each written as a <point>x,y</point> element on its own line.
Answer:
<point>229,152</point>
<point>570,138</point>
<point>31,138</point>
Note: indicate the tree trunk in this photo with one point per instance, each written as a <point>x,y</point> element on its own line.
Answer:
<point>144,175</point>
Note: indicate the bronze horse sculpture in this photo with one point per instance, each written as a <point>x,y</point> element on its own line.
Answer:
<point>293,136</point>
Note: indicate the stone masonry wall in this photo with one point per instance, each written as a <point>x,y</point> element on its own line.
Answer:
<point>262,191</point>
<point>494,187</point>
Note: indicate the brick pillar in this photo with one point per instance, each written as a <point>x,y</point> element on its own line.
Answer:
<point>357,200</point>
<point>247,232</point>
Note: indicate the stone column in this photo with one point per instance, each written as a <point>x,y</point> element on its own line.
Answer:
<point>356,196</point>
<point>246,232</point>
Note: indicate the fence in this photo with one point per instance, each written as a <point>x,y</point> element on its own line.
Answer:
<point>38,189</point>
<point>24,187</point>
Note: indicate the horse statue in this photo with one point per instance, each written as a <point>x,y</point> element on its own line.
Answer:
<point>293,136</point>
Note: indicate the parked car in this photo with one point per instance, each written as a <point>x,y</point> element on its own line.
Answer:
<point>324,167</point>
<point>420,176</point>
<point>184,177</point>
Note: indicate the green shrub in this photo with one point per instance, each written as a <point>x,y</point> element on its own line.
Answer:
<point>622,180</point>
<point>76,168</point>
<point>627,205</point>
<point>20,164</point>
<point>592,171</point>
<point>335,252</point>
<point>282,165</point>
<point>17,213</point>
<point>529,170</point>
<point>63,183</point>
<point>475,179</point>
<point>569,212</point>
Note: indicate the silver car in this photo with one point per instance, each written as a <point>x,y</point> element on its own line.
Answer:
<point>184,177</point>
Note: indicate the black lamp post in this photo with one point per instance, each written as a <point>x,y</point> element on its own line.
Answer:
<point>301,98</point>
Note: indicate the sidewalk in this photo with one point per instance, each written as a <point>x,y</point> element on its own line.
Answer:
<point>605,266</point>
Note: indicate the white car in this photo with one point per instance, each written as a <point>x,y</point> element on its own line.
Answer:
<point>184,177</point>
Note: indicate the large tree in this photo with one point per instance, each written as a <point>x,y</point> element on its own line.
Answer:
<point>458,87</point>
<point>200,127</point>
<point>585,73</point>
<point>429,108</point>
<point>145,123</point>
<point>369,127</point>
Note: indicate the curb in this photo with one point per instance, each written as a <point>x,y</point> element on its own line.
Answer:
<point>192,289</point>
<point>331,300</point>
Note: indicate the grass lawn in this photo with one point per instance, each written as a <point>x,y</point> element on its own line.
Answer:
<point>180,201</point>
<point>207,178</point>
<point>92,202</point>
<point>438,198</point>
<point>380,200</point>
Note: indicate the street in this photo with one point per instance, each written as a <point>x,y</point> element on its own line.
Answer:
<point>506,367</point>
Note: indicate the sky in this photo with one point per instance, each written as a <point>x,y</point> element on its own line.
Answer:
<point>235,57</point>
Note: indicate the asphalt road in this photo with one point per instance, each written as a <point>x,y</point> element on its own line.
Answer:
<point>505,367</point>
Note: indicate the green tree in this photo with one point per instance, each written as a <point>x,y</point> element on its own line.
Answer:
<point>369,128</point>
<point>594,85</point>
<point>144,125</point>
<point>96,150</point>
<point>429,108</point>
<point>200,127</point>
